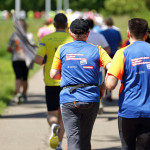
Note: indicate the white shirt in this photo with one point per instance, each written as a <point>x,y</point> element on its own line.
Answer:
<point>17,47</point>
<point>97,39</point>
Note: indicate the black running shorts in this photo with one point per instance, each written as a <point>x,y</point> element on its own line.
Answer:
<point>52,97</point>
<point>21,70</point>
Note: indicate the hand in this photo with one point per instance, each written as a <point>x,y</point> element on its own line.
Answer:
<point>9,49</point>
<point>102,89</point>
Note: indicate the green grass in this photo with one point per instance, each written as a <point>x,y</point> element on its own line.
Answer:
<point>122,23</point>
<point>6,82</point>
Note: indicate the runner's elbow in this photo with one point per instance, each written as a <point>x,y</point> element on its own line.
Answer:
<point>109,85</point>
<point>39,60</point>
<point>55,74</point>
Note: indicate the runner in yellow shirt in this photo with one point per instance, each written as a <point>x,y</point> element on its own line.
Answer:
<point>45,53</point>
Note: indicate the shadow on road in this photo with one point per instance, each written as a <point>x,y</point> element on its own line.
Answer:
<point>23,116</point>
<point>108,103</point>
<point>109,115</point>
<point>34,103</point>
<point>111,148</point>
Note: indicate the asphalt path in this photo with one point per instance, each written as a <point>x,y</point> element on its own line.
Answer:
<point>24,126</point>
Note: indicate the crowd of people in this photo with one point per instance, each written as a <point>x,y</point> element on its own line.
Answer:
<point>72,54</point>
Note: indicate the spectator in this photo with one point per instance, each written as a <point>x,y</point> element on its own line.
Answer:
<point>131,66</point>
<point>22,14</point>
<point>37,15</point>
<point>30,14</point>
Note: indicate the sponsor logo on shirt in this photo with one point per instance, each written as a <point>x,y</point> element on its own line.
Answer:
<point>148,66</point>
<point>140,72</point>
<point>83,62</point>
<point>72,67</point>
<point>74,57</point>
<point>87,67</point>
<point>140,61</point>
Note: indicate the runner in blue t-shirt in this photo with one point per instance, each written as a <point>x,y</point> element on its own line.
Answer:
<point>132,66</point>
<point>78,63</point>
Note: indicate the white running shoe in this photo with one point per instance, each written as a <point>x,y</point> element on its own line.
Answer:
<point>54,140</point>
<point>17,98</point>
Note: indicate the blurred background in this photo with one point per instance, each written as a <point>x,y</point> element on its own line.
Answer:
<point>35,12</point>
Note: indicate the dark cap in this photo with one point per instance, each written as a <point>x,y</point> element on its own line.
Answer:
<point>79,26</point>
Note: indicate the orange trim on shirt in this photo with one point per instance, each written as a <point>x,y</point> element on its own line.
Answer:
<point>121,88</point>
<point>104,57</point>
<point>56,60</point>
<point>117,65</point>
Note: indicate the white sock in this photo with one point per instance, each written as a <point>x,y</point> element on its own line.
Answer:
<point>53,125</point>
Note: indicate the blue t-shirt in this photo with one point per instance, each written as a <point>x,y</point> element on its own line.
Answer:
<point>131,65</point>
<point>134,100</point>
<point>80,63</point>
<point>113,38</point>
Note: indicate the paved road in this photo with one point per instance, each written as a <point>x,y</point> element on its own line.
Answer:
<point>24,127</point>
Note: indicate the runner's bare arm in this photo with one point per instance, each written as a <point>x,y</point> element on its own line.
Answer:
<point>39,60</point>
<point>111,82</point>
<point>55,74</point>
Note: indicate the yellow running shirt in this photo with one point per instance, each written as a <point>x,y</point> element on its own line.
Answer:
<point>48,45</point>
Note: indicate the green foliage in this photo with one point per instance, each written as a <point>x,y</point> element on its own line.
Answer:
<point>122,23</point>
<point>143,14</point>
<point>148,4</point>
<point>84,4</point>
<point>107,6</point>
<point>124,6</point>
<point>40,4</point>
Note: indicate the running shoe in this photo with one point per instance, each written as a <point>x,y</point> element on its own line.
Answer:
<point>24,97</point>
<point>54,140</point>
<point>17,98</point>
<point>58,148</point>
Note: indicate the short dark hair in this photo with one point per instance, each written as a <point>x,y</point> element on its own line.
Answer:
<point>60,20</point>
<point>109,21</point>
<point>91,23</point>
<point>138,27</point>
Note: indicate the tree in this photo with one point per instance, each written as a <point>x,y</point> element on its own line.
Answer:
<point>40,4</point>
<point>124,6</point>
<point>85,4</point>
